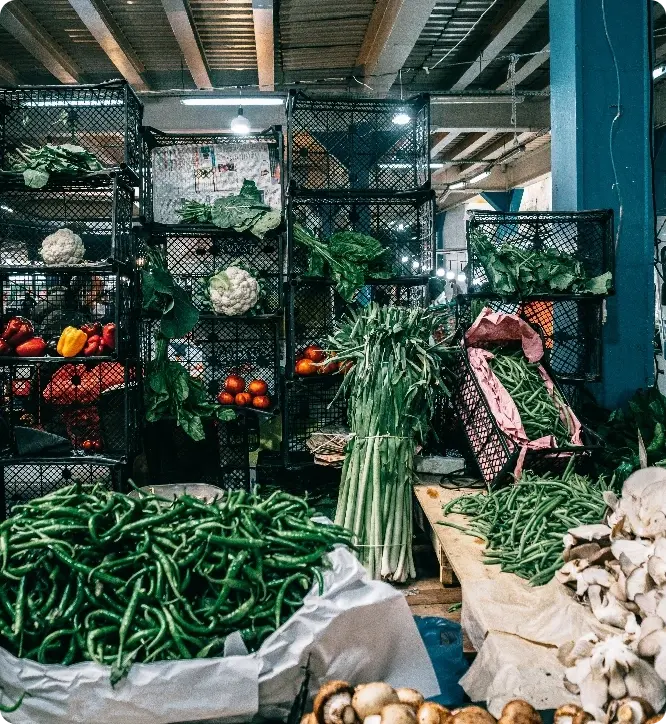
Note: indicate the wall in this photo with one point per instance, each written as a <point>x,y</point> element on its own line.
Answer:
<point>538,196</point>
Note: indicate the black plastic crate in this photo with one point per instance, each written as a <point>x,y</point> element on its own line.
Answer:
<point>221,459</point>
<point>80,402</point>
<point>310,406</point>
<point>196,253</point>
<point>221,346</point>
<point>343,143</point>
<point>571,329</point>
<point>496,454</point>
<point>57,297</point>
<point>259,156</point>
<point>403,224</point>
<point>585,235</point>
<point>98,208</point>
<point>22,481</point>
<point>105,119</point>
<point>315,308</point>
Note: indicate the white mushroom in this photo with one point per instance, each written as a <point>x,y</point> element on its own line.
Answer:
<point>651,637</point>
<point>607,610</point>
<point>644,682</point>
<point>631,554</point>
<point>597,531</point>
<point>371,698</point>
<point>570,571</point>
<point>648,603</point>
<point>411,697</point>
<point>571,714</point>
<point>593,576</point>
<point>638,582</point>
<point>333,704</point>
<point>629,711</point>
<point>432,713</point>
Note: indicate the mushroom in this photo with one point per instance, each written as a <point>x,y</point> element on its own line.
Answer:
<point>333,704</point>
<point>411,697</point>
<point>393,714</point>
<point>571,714</point>
<point>593,576</point>
<point>431,713</point>
<point>655,719</point>
<point>309,718</point>
<point>519,712</point>
<point>651,637</point>
<point>371,698</point>
<point>471,715</point>
<point>638,582</point>
<point>571,570</point>
<point>607,610</point>
<point>631,554</point>
<point>629,711</point>
<point>596,531</point>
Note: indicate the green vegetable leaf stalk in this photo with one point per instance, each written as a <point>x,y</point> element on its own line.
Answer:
<point>396,371</point>
<point>37,164</point>
<point>523,526</point>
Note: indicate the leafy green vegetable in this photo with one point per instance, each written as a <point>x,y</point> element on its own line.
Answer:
<point>38,163</point>
<point>348,258</point>
<point>511,270</point>
<point>162,296</point>
<point>242,212</point>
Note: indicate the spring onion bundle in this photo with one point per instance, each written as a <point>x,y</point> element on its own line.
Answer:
<point>523,526</point>
<point>395,374</point>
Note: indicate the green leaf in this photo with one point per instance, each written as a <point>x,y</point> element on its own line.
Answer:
<point>181,318</point>
<point>249,189</point>
<point>192,425</point>
<point>35,179</point>
<point>562,281</point>
<point>266,223</point>
<point>225,414</point>
<point>600,284</point>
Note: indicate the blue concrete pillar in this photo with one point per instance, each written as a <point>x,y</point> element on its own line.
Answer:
<point>504,200</point>
<point>660,171</point>
<point>600,67</point>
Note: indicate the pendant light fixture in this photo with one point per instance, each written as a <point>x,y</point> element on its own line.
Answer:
<point>240,125</point>
<point>401,117</point>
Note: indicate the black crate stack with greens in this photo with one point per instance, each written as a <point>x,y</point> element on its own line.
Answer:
<point>70,165</point>
<point>192,434</point>
<point>360,229</point>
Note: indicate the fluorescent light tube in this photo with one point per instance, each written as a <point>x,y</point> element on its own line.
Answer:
<point>268,101</point>
<point>480,177</point>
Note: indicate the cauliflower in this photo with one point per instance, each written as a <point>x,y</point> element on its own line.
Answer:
<point>233,291</point>
<point>63,247</point>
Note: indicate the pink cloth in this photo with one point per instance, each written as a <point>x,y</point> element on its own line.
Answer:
<point>491,327</point>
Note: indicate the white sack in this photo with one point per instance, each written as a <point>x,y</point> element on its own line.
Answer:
<point>358,629</point>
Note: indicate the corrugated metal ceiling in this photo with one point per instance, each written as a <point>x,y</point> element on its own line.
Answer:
<point>226,31</point>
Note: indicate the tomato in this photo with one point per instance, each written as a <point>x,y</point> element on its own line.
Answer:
<point>97,445</point>
<point>88,445</point>
<point>257,387</point>
<point>225,398</point>
<point>263,402</point>
<point>330,367</point>
<point>314,352</point>
<point>234,384</point>
<point>243,398</point>
<point>306,367</point>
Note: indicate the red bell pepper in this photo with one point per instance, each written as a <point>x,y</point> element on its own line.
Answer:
<point>94,346</point>
<point>91,329</point>
<point>18,329</point>
<point>5,349</point>
<point>109,336</point>
<point>35,347</point>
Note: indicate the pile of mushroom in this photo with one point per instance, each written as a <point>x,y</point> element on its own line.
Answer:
<point>337,702</point>
<point>619,570</point>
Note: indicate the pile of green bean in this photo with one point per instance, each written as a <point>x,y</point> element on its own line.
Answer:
<point>92,575</point>
<point>521,379</point>
<point>523,526</point>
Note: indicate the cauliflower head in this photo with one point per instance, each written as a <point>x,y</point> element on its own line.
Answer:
<point>233,291</point>
<point>63,247</point>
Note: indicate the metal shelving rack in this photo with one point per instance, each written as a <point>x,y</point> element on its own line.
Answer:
<point>80,398</point>
<point>350,167</point>
<point>250,346</point>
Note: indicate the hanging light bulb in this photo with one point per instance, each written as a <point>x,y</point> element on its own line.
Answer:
<point>461,278</point>
<point>401,118</point>
<point>440,272</point>
<point>240,124</point>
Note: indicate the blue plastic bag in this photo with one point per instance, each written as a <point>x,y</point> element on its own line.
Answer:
<point>444,642</point>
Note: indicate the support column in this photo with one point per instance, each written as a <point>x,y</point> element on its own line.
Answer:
<point>504,200</point>
<point>585,68</point>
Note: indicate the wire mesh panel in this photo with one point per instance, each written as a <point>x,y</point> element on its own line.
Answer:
<point>52,299</point>
<point>26,480</point>
<point>315,308</point>
<point>105,119</point>
<point>221,459</point>
<point>403,225</point>
<point>218,347</point>
<point>98,209</point>
<point>195,254</point>
<point>310,406</point>
<point>571,330</point>
<point>585,235</point>
<point>496,454</point>
<point>93,407</point>
<point>339,143</point>
<point>215,165</point>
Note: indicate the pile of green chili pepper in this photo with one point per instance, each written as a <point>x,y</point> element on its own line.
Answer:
<point>92,575</point>
<point>521,379</point>
<point>523,526</point>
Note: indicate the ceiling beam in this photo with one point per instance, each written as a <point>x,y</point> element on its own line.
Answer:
<point>394,28</point>
<point>264,39</point>
<point>472,145</point>
<point>442,143</point>
<point>102,27</point>
<point>186,36</point>
<point>533,115</point>
<point>502,38</point>
<point>23,26</point>
<point>526,70</point>
<point>7,73</point>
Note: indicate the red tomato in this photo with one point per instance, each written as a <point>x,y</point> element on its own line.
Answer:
<point>305,367</point>
<point>88,445</point>
<point>314,352</point>
<point>257,387</point>
<point>263,402</point>
<point>234,384</point>
<point>330,367</point>
<point>225,398</point>
<point>243,398</point>
<point>97,445</point>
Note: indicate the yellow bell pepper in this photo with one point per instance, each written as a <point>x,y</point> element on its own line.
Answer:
<point>71,342</point>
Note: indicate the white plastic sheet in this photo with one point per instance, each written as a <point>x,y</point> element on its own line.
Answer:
<point>358,629</point>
